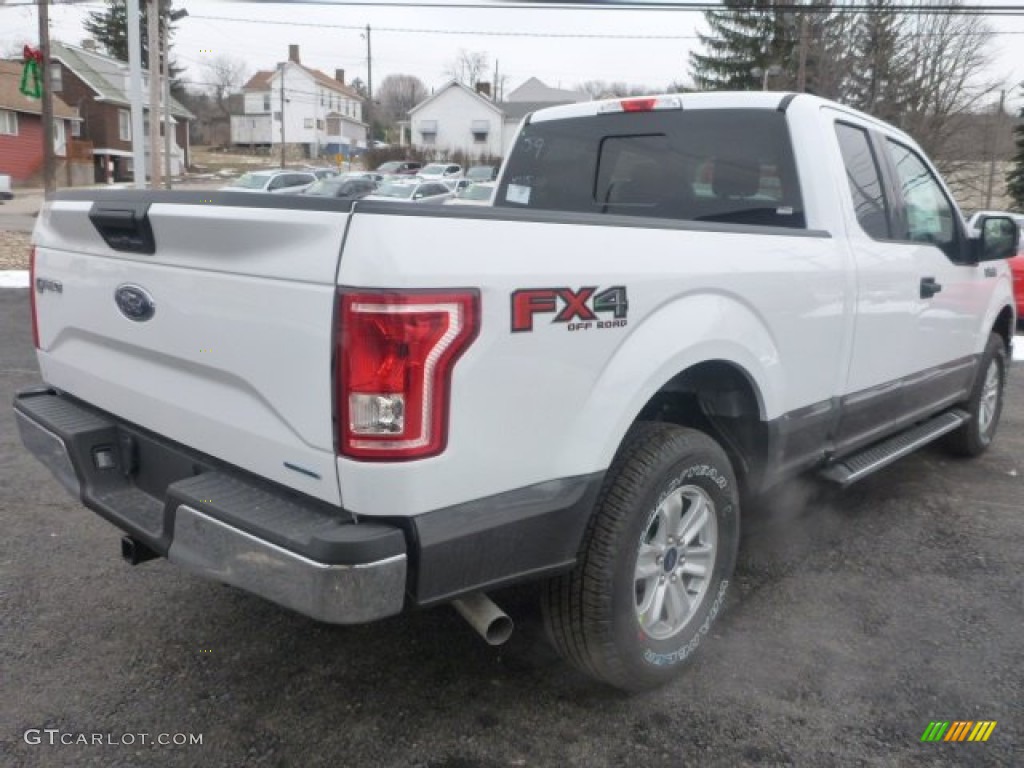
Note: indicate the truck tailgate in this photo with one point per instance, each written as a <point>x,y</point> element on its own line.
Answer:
<point>235,360</point>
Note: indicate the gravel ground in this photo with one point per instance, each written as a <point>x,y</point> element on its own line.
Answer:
<point>14,250</point>
<point>856,619</point>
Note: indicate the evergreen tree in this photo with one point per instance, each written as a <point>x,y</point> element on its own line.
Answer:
<point>878,73</point>
<point>1015,177</point>
<point>745,35</point>
<point>109,28</point>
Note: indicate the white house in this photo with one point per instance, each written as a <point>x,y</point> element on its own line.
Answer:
<point>321,113</point>
<point>457,118</point>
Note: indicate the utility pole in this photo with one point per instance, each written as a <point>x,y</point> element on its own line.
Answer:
<point>284,68</point>
<point>801,73</point>
<point>167,17</point>
<point>49,167</point>
<point>992,155</point>
<point>153,35</point>
<point>369,91</point>
<point>135,90</point>
<point>494,86</point>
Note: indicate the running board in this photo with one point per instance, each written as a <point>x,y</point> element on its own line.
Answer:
<point>882,454</point>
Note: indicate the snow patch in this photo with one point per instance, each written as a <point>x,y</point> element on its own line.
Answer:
<point>14,278</point>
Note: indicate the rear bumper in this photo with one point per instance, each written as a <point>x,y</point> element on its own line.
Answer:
<point>215,520</point>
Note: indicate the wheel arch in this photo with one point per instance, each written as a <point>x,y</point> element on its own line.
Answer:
<point>1004,326</point>
<point>721,399</point>
<point>679,353</point>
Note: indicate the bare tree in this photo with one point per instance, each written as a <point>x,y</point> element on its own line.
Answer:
<point>224,75</point>
<point>397,94</point>
<point>601,89</point>
<point>468,68</point>
<point>947,55</point>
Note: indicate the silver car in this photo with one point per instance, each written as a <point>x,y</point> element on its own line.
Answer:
<point>413,191</point>
<point>279,182</point>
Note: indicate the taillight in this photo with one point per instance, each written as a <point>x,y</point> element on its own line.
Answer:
<point>32,295</point>
<point>395,351</point>
<point>641,104</point>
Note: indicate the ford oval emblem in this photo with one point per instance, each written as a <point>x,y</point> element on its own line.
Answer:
<point>134,302</point>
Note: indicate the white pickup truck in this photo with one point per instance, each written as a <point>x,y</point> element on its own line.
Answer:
<point>673,304</point>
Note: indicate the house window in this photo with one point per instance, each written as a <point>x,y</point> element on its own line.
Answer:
<point>480,129</point>
<point>59,138</point>
<point>319,125</point>
<point>56,78</point>
<point>124,125</point>
<point>428,130</point>
<point>307,122</point>
<point>323,100</point>
<point>76,128</point>
<point>266,102</point>
<point>8,122</point>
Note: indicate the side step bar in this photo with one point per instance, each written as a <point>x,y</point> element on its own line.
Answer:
<point>860,465</point>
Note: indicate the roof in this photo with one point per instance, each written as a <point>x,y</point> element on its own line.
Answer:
<point>517,110</point>
<point>11,98</point>
<point>536,91</point>
<point>448,86</point>
<point>107,76</point>
<point>261,81</point>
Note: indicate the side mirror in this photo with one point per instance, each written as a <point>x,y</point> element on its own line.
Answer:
<point>999,238</point>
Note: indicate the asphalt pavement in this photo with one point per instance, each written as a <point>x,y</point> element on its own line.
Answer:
<point>855,620</point>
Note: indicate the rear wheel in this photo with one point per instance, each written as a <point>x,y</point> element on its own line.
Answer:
<point>656,560</point>
<point>985,404</point>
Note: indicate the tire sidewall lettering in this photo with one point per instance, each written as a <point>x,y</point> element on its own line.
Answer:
<point>662,654</point>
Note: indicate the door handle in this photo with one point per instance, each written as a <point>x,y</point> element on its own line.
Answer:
<point>929,287</point>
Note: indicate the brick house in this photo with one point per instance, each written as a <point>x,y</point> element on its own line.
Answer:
<point>21,128</point>
<point>98,86</point>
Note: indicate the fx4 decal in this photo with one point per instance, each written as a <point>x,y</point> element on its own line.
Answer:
<point>579,310</point>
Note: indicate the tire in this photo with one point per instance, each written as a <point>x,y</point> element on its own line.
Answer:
<point>603,616</point>
<point>985,404</point>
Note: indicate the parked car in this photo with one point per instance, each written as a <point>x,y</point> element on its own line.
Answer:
<point>441,171</point>
<point>373,176</point>
<point>413,192</point>
<point>400,168</point>
<point>5,187</point>
<point>474,194</point>
<point>341,188</point>
<point>456,185</point>
<point>280,182</point>
<point>482,173</point>
<point>322,172</point>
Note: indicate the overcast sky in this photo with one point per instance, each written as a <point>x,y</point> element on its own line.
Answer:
<point>561,47</point>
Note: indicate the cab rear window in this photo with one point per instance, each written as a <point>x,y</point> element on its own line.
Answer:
<point>730,166</point>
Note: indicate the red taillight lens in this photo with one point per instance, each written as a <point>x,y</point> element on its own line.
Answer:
<point>32,295</point>
<point>395,354</point>
<point>638,105</point>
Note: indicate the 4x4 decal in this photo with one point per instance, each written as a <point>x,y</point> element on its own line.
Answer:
<point>578,309</point>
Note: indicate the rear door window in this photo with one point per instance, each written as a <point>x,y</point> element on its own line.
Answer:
<point>731,166</point>
<point>865,181</point>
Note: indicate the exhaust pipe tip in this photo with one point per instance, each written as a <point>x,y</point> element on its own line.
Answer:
<point>489,621</point>
<point>134,551</point>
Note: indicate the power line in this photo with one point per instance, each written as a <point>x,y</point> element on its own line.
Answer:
<point>663,6</point>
